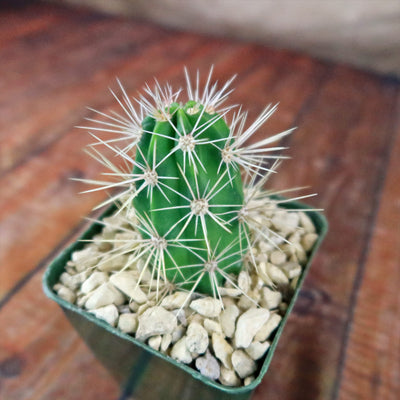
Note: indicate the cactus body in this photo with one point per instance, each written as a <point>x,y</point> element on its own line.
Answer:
<point>196,205</point>
<point>184,182</point>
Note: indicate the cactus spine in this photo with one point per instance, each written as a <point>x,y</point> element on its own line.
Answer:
<point>184,179</point>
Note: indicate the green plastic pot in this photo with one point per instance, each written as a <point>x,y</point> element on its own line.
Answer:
<point>142,371</point>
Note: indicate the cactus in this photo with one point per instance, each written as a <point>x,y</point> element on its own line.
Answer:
<point>183,178</point>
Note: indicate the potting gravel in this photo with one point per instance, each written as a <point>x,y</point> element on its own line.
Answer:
<point>224,341</point>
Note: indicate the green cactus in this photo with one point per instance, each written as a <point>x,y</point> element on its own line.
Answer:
<point>185,182</point>
<point>198,197</point>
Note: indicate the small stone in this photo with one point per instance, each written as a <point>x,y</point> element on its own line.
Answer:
<point>300,254</point>
<point>194,317</point>
<point>270,298</point>
<point>155,342</point>
<point>265,246</point>
<point>85,259</point>
<point>57,287</point>
<point>228,320</point>
<point>294,282</point>
<point>228,301</point>
<point>104,295</point>
<point>263,273</point>
<point>244,281</point>
<point>180,352</point>
<point>288,249</point>
<point>228,377</point>
<point>66,294</point>
<point>143,307</point>
<point>125,281</point>
<point>257,349</point>
<point>277,275</point>
<point>248,325</point>
<point>285,222</point>
<point>308,241</point>
<point>230,292</point>
<point>94,281</point>
<point>70,269</point>
<point>222,349</point>
<point>306,222</point>
<point>291,269</point>
<point>250,300</point>
<point>243,364</point>
<point>212,326</point>
<point>165,342</point>
<point>155,321</point>
<point>108,313</point>
<point>266,330</point>
<point>176,300</point>
<point>73,281</point>
<point>208,366</point>
<point>134,307</point>
<point>128,323</point>
<point>294,238</point>
<point>248,380</point>
<point>181,315</point>
<point>113,263</point>
<point>82,299</point>
<point>277,257</point>
<point>196,338</point>
<point>177,333</point>
<point>101,243</point>
<point>208,307</point>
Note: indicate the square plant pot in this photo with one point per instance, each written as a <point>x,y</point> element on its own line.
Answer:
<point>143,372</point>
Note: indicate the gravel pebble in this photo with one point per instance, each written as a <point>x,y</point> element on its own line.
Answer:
<point>266,330</point>
<point>208,307</point>
<point>128,323</point>
<point>104,295</point>
<point>222,350</point>
<point>180,352</point>
<point>248,324</point>
<point>66,294</point>
<point>108,313</point>
<point>228,320</point>
<point>243,364</point>
<point>196,338</point>
<point>228,377</point>
<point>126,282</point>
<point>175,301</point>
<point>257,349</point>
<point>155,321</point>
<point>189,328</point>
<point>96,279</point>
<point>208,366</point>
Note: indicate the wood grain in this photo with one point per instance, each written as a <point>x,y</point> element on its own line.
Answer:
<point>342,341</point>
<point>371,367</point>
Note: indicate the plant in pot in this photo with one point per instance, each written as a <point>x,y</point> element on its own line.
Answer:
<point>182,287</point>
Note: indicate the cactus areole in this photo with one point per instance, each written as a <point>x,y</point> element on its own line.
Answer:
<point>195,204</point>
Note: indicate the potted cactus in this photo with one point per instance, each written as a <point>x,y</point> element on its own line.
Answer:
<point>194,267</point>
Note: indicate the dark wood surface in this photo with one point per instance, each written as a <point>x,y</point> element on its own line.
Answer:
<point>343,339</point>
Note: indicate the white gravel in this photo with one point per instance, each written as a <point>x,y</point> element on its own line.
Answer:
<point>225,341</point>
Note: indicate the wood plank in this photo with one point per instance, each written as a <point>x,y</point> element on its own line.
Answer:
<point>372,366</point>
<point>338,152</point>
<point>54,84</point>
<point>41,357</point>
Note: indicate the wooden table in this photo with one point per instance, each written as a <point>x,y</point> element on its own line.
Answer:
<point>342,341</point>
